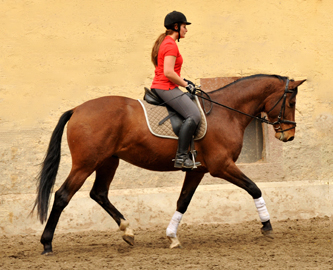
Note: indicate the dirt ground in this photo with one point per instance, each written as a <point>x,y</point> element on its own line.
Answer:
<point>298,244</point>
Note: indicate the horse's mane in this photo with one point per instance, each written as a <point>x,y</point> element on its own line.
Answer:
<point>281,78</point>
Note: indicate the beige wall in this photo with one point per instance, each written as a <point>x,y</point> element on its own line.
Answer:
<point>55,55</point>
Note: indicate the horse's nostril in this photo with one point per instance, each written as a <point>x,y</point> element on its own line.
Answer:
<point>291,138</point>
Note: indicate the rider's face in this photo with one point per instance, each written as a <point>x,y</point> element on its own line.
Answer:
<point>183,30</point>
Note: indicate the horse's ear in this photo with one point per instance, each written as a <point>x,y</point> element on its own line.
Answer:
<point>295,84</point>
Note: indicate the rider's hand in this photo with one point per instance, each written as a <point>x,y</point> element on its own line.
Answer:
<point>190,88</point>
<point>189,82</point>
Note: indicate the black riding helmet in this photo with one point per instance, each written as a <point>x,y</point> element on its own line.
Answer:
<point>173,18</point>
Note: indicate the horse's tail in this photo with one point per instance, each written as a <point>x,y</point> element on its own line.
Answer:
<point>47,176</point>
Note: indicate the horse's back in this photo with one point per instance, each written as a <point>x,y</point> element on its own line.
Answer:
<point>101,110</point>
<point>105,104</point>
<point>101,122</point>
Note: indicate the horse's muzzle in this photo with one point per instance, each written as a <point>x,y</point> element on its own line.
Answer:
<point>283,137</point>
<point>291,138</point>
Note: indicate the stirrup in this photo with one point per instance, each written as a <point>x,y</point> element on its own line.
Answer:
<point>180,163</point>
<point>186,163</point>
<point>194,155</point>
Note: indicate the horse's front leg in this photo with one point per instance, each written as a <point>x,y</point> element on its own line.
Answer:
<point>192,180</point>
<point>235,176</point>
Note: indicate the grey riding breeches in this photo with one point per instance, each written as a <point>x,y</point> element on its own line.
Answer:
<point>181,103</point>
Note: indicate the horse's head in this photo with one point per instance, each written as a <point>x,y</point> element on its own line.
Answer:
<point>280,109</point>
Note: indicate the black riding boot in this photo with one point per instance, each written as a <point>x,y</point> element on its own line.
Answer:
<point>186,132</point>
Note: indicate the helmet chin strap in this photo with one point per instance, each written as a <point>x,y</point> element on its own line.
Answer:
<point>177,30</point>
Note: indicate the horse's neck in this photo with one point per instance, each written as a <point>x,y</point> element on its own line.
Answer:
<point>246,96</point>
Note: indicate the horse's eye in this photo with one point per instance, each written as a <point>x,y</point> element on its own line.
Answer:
<point>292,104</point>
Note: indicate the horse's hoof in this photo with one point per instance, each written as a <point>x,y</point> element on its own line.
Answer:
<point>129,239</point>
<point>47,249</point>
<point>268,234</point>
<point>47,252</point>
<point>267,229</point>
<point>128,235</point>
<point>174,242</point>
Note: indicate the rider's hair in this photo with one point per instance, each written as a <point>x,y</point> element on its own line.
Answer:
<point>157,44</point>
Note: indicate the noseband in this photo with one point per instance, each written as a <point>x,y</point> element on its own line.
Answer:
<point>282,111</point>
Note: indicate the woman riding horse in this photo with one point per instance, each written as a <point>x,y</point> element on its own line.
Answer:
<point>168,62</point>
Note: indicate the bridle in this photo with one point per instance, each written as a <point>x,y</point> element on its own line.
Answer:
<point>282,111</point>
<point>261,119</point>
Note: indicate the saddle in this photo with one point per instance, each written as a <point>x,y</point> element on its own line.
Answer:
<point>165,122</point>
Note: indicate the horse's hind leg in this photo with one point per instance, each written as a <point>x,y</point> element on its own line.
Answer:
<point>61,199</point>
<point>99,193</point>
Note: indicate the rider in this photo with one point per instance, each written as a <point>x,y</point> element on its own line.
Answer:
<point>168,61</point>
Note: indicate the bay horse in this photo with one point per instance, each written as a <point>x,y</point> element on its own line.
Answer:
<point>102,131</point>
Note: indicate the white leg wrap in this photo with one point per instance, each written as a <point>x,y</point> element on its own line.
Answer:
<point>262,210</point>
<point>171,231</point>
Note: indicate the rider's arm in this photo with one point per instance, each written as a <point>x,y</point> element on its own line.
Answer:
<point>169,71</point>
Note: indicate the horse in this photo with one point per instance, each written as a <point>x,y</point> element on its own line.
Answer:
<point>102,131</point>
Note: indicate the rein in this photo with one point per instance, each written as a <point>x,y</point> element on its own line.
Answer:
<point>261,119</point>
